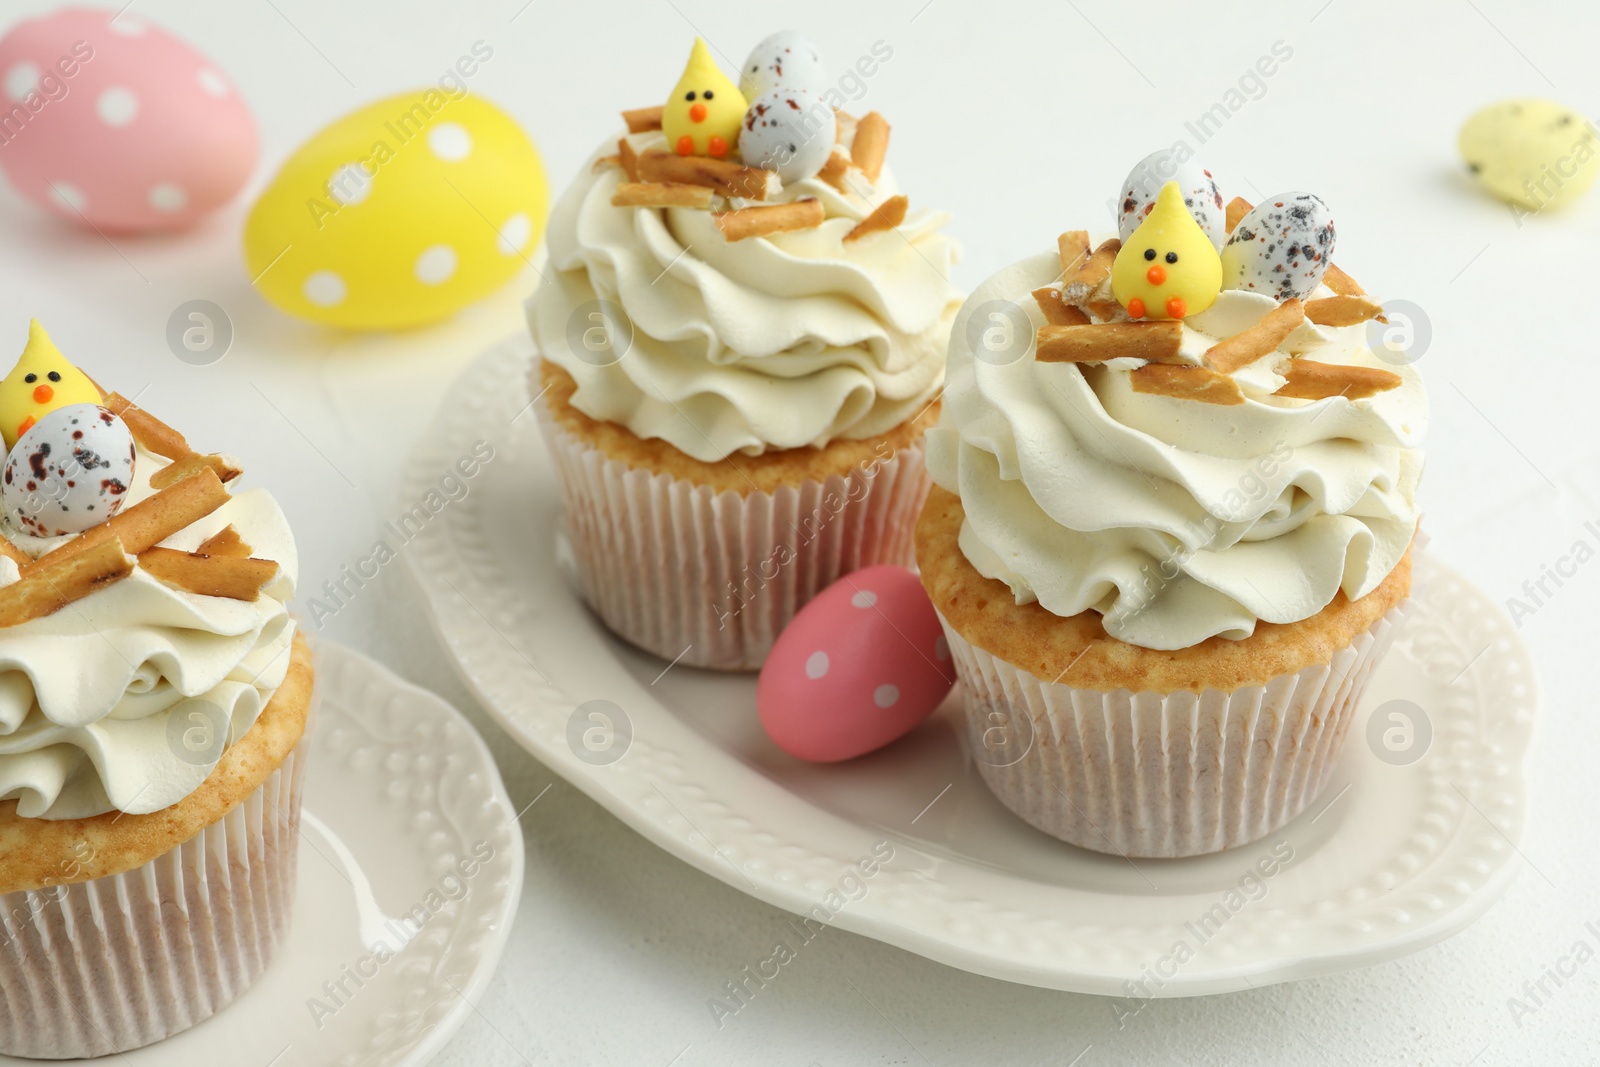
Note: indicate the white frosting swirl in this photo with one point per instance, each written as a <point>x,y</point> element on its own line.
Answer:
<point>786,341</point>
<point>111,703</point>
<point>1176,520</point>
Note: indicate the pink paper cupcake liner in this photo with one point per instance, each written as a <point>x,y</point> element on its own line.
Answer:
<point>710,578</point>
<point>120,962</point>
<point>1162,774</point>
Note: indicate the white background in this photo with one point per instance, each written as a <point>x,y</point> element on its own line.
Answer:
<point>1021,119</point>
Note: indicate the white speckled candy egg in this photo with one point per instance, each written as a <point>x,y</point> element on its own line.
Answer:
<point>860,666</point>
<point>1536,153</point>
<point>1200,194</point>
<point>789,131</point>
<point>110,121</point>
<point>784,59</point>
<point>1281,248</point>
<point>401,213</point>
<point>70,472</point>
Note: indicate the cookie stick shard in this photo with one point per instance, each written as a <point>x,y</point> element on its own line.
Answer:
<point>1247,346</point>
<point>770,218</point>
<point>886,216</point>
<point>643,119</point>
<point>1341,310</point>
<point>662,194</point>
<point>1154,342</point>
<point>1309,380</point>
<point>225,542</point>
<point>871,144</point>
<point>1091,273</point>
<point>1074,248</point>
<point>220,576</point>
<point>720,175</point>
<point>1058,312</point>
<point>47,589</point>
<point>1186,383</point>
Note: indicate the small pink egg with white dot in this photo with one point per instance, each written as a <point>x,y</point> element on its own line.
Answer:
<point>858,667</point>
<point>113,123</point>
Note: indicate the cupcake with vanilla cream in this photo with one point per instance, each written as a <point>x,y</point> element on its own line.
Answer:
<point>154,693</point>
<point>742,332</point>
<point>1169,548</point>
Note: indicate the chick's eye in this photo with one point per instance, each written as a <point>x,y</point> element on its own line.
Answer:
<point>54,376</point>
<point>30,379</point>
<point>689,95</point>
<point>1149,253</point>
<point>709,94</point>
<point>1172,257</point>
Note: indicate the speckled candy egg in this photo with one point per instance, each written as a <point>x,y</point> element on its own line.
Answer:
<point>1282,248</point>
<point>112,122</point>
<point>785,59</point>
<point>1536,153</point>
<point>399,214</point>
<point>1200,194</point>
<point>857,668</point>
<point>789,131</point>
<point>69,472</point>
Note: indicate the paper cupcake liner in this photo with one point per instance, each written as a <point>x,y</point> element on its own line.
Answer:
<point>710,578</point>
<point>117,963</point>
<point>1162,774</point>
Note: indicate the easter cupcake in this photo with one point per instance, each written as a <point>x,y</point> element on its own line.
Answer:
<point>1170,535</point>
<point>153,697</point>
<point>742,334</point>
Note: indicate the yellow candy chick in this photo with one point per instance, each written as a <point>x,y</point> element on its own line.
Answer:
<point>41,382</point>
<point>705,111</point>
<point>1168,267</point>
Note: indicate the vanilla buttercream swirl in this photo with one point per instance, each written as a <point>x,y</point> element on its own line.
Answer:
<point>1176,520</point>
<point>721,347</point>
<point>120,702</point>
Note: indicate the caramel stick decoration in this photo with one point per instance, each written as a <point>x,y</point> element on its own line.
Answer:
<point>1074,248</point>
<point>193,463</point>
<point>1091,273</point>
<point>13,553</point>
<point>871,144</point>
<point>225,542</point>
<point>628,159</point>
<point>661,194</point>
<point>721,176</point>
<point>1341,310</point>
<point>1247,346</point>
<point>643,119</point>
<point>1187,383</point>
<point>1154,342</point>
<point>147,523</point>
<point>770,218</point>
<point>1058,312</point>
<point>1237,209</point>
<point>835,170</point>
<point>47,589</point>
<point>222,576</point>
<point>1309,380</point>
<point>886,216</point>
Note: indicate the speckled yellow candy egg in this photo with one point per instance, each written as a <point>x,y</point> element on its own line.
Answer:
<point>399,214</point>
<point>1535,153</point>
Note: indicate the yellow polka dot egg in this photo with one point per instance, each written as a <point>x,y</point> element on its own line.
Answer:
<point>399,214</point>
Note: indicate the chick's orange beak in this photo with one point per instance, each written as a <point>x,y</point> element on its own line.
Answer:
<point>698,113</point>
<point>1156,274</point>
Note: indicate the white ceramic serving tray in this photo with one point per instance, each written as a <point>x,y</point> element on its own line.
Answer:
<point>1415,836</point>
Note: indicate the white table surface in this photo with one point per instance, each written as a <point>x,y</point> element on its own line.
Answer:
<point>1020,118</point>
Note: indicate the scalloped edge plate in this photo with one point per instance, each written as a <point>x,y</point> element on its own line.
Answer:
<point>1396,854</point>
<point>399,785</point>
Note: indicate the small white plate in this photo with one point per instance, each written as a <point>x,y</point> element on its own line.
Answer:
<point>1414,838</point>
<point>399,787</point>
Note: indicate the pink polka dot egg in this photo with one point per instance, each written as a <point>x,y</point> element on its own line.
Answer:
<point>858,667</point>
<point>114,123</point>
